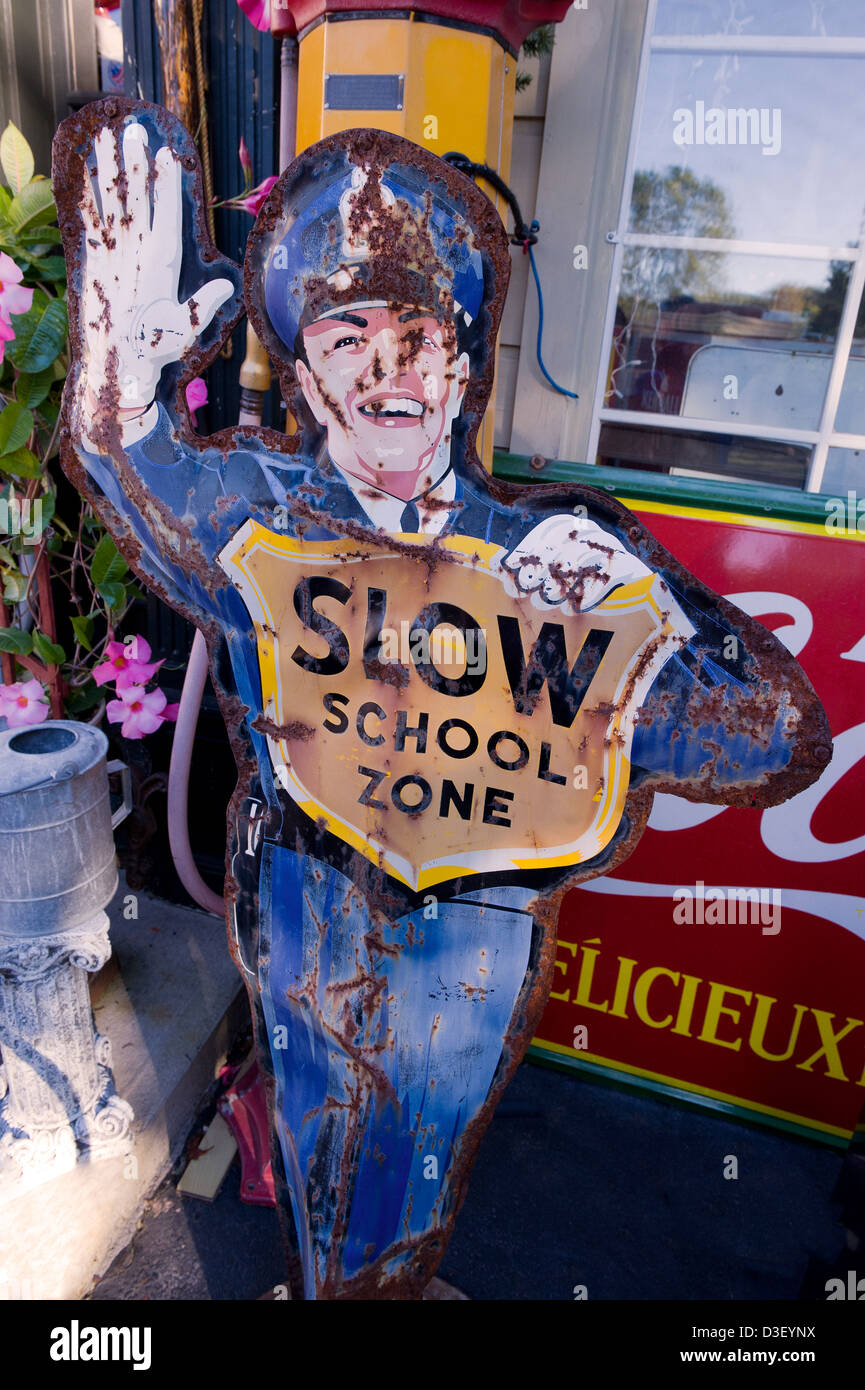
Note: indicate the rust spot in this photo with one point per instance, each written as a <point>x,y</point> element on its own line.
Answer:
<point>294,729</point>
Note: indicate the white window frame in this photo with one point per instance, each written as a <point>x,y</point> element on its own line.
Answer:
<point>824,436</point>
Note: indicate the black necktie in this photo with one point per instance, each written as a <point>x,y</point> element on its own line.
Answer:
<point>410,521</point>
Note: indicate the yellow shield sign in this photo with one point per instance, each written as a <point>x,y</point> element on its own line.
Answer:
<point>436,721</point>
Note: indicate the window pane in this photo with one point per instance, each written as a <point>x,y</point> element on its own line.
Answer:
<point>845,469</point>
<point>704,455</point>
<point>721,337</point>
<point>765,148</point>
<point>850,417</point>
<point>828,18</point>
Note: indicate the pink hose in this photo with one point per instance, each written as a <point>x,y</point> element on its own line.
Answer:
<point>178,781</point>
<point>196,670</point>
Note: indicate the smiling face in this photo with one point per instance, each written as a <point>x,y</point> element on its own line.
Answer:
<point>386,383</point>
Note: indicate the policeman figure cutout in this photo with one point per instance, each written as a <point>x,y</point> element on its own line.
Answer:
<point>407,815</point>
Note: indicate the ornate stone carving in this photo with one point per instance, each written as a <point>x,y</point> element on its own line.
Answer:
<point>31,959</point>
<point>58,1105</point>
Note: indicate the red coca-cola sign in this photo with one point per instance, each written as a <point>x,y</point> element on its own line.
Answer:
<point>724,960</point>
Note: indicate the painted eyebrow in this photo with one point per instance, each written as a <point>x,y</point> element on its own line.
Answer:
<point>350,318</point>
<point>414,314</point>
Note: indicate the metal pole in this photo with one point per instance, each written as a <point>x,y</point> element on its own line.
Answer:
<point>255,373</point>
<point>287,102</point>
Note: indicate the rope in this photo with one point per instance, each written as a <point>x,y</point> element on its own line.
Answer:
<point>227,350</point>
<point>203,133</point>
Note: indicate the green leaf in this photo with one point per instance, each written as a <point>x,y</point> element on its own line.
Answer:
<point>6,556</point>
<point>107,565</point>
<point>48,412</point>
<point>83,629</point>
<point>32,387</point>
<point>16,427</point>
<point>40,336</point>
<point>46,650</point>
<point>16,157</point>
<point>48,267</point>
<point>39,236</point>
<point>46,511</point>
<point>33,204</point>
<point>22,464</point>
<point>34,517</point>
<point>41,300</point>
<point>113,594</point>
<point>14,586</point>
<point>5,202</point>
<point>84,697</point>
<point>12,639</point>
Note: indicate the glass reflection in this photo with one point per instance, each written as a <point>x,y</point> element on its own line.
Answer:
<point>850,416</point>
<point>820,18</point>
<point>722,456</point>
<point>723,337</point>
<point>845,470</point>
<point>753,148</point>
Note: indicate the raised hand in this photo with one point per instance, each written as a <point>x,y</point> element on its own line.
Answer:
<point>131,320</point>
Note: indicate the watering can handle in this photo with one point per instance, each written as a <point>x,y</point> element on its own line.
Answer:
<point>126,789</point>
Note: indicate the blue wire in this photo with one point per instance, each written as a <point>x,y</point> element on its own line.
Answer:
<point>555,385</point>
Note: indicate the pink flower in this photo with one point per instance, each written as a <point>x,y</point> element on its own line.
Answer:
<point>14,298</point>
<point>245,158</point>
<point>138,711</point>
<point>196,395</point>
<point>252,203</point>
<point>249,202</point>
<point>127,663</point>
<point>23,703</point>
<point>258,11</point>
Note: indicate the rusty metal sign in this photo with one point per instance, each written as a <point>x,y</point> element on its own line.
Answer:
<point>451,729</point>
<point>449,700</point>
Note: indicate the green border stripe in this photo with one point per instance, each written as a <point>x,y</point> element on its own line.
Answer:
<point>610,1076</point>
<point>757,499</point>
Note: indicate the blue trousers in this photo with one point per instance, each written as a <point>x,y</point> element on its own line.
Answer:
<point>385,1038</point>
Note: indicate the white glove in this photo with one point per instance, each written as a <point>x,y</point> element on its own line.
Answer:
<point>570,563</point>
<point>132,323</point>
